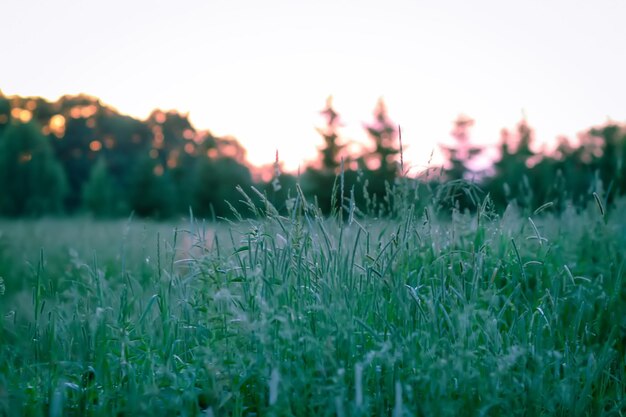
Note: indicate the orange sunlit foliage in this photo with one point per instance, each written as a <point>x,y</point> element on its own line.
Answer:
<point>212,153</point>
<point>188,134</point>
<point>22,115</point>
<point>200,137</point>
<point>95,145</point>
<point>159,138</point>
<point>84,112</point>
<point>189,148</point>
<point>264,173</point>
<point>172,160</point>
<point>230,151</point>
<point>88,111</point>
<point>31,105</point>
<point>91,123</point>
<point>160,117</point>
<point>158,170</point>
<point>57,125</point>
<point>373,164</point>
<point>229,147</point>
<point>25,116</point>
<point>534,160</point>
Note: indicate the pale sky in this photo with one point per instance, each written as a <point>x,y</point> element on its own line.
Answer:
<point>261,70</point>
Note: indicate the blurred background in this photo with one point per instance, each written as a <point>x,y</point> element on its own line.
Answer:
<point>153,108</point>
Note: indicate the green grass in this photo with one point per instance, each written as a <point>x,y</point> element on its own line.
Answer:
<point>300,315</point>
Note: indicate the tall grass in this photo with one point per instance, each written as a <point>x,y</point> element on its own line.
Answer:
<point>297,314</point>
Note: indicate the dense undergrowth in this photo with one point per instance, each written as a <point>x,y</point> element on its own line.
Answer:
<point>297,314</point>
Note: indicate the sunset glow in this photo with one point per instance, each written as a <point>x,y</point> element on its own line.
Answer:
<point>95,145</point>
<point>261,71</point>
<point>57,125</point>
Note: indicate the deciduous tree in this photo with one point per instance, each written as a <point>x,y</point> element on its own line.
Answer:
<point>31,179</point>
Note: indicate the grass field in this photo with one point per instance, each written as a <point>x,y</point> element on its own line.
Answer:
<point>480,314</point>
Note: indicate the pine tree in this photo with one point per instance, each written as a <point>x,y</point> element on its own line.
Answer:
<point>462,152</point>
<point>511,182</point>
<point>384,133</point>
<point>331,149</point>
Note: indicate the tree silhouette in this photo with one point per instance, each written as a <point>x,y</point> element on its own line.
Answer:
<point>511,180</point>
<point>215,186</point>
<point>151,191</point>
<point>459,189</point>
<point>462,152</point>
<point>384,134</point>
<point>68,154</point>
<point>100,195</point>
<point>610,164</point>
<point>31,180</point>
<point>5,112</point>
<point>331,149</point>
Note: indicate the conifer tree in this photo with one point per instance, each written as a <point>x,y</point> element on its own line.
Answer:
<point>331,148</point>
<point>460,155</point>
<point>384,134</point>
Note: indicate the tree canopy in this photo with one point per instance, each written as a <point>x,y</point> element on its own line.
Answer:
<point>77,155</point>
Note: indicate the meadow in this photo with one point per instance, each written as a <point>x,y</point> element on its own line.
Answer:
<point>517,314</point>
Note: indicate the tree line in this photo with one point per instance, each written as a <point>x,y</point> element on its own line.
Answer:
<point>78,155</point>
